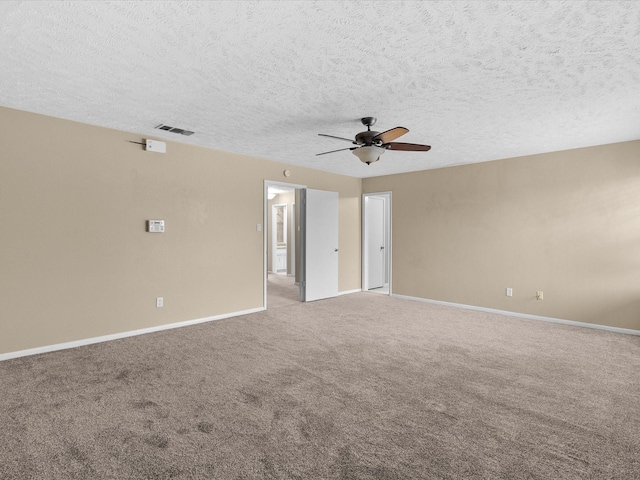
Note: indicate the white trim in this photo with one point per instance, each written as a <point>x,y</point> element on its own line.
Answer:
<point>349,292</point>
<point>626,331</point>
<point>117,336</point>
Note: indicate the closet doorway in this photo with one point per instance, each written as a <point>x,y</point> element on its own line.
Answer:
<point>376,242</point>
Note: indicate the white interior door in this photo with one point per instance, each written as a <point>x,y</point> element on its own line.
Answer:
<point>375,242</point>
<point>321,245</point>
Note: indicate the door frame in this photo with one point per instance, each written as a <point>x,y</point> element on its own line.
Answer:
<point>388,235</point>
<point>265,217</point>
<point>291,253</point>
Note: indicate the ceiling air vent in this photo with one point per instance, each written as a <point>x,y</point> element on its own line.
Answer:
<point>181,131</point>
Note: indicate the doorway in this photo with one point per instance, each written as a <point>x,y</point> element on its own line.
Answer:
<point>311,244</point>
<point>282,235</point>
<point>376,242</point>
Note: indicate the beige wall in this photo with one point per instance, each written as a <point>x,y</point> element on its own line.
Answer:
<point>566,223</point>
<point>75,260</point>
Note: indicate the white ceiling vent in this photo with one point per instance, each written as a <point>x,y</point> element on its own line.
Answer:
<point>181,131</point>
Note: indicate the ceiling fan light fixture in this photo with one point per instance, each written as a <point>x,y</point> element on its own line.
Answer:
<point>368,154</point>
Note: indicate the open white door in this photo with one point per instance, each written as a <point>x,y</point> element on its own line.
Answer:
<point>375,242</point>
<point>320,245</point>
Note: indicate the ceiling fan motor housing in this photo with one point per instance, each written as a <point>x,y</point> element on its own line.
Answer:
<point>366,138</point>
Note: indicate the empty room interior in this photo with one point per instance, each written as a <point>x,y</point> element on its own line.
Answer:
<point>337,239</point>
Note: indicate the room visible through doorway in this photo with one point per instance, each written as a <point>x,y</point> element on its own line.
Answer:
<point>283,245</point>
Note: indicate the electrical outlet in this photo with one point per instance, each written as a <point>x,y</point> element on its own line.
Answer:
<point>509,292</point>
<point>539,295</point>
<point>159,302</point>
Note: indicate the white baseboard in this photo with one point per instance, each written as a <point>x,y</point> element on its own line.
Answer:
<point>348,292</point>
<point>626,331</point>
<point>116,336</point>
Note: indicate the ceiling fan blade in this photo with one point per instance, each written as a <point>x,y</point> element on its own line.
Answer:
<point>390,135</point>
<point>407,147</point>
<point>340,150</point>
<point>339,138</point>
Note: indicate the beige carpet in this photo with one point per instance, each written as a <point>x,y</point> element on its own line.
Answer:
<point>362,386</point>
<point>281,291</point>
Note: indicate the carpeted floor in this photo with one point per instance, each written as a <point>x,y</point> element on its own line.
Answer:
<point>281,291</point>
<point>362,386</point>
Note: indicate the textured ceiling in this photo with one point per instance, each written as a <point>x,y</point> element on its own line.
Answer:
<point>477,80</point>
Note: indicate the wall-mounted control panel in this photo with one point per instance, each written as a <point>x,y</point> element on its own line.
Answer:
<point>155,226</point>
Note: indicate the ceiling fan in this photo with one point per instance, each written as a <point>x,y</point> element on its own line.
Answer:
<point>370,144</point>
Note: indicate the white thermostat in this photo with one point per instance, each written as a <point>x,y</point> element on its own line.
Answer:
<point>155,226</point>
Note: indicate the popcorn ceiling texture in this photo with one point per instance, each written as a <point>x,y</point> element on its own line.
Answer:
<point>476,80</point>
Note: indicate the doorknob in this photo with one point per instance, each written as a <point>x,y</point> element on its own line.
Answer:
<point>381,248</point>
<point>336,250</point>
